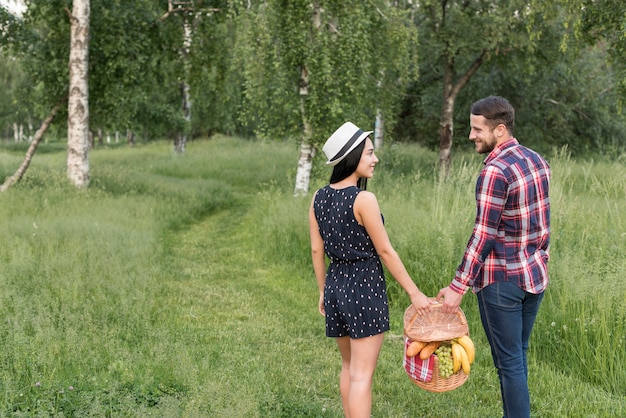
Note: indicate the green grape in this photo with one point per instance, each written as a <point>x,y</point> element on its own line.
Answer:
<point>444,355</point>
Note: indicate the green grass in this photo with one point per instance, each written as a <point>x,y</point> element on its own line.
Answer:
<point>182,287</point>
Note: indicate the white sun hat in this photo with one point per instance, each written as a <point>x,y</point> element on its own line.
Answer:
<point>342,141</point>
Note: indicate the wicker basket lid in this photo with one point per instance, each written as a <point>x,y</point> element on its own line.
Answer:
<point>435,325</point>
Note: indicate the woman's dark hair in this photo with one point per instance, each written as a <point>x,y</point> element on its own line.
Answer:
<point>497,110</point>
<point>348,165</point>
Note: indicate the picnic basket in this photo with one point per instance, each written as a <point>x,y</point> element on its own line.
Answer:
<point>436,326</point>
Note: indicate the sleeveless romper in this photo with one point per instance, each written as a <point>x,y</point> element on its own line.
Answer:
<point>355,293</point>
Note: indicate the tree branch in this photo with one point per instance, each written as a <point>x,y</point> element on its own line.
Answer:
<point>71,16</point>
<point>32,148</point>
<point>468,74</point>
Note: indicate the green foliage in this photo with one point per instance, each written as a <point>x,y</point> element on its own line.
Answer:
<point>215,78</point>
<point>13,81</point>
<point>355,56</point>
<point>560,62</point>
<point>454,36</point>
<point>132,63</point>
<point>44,48</point>
<point>133,68</point>
<point>564,92</point>
<point>570,105</point>
<point>605,21</point>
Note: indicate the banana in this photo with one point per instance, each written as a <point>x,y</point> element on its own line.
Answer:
<point>456,357</point>
<point>465,364</point>
<point>468,345</point>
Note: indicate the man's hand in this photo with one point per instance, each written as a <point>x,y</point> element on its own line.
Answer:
<point>451,300</point>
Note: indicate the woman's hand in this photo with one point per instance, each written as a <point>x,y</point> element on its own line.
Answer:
<point>421,303</point>
<point>321,305</point>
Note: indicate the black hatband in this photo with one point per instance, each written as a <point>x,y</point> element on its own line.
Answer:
<point>346,147</point>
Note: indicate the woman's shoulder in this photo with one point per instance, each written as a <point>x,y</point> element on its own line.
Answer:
<point>365,198</point>
<point>366,195</point>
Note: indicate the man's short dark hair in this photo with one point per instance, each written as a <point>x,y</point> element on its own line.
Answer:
<point>497,110</point>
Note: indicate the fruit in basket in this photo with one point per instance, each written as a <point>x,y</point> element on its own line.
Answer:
<point>429,349</point>
<point>444,355</point>
<point>456,357</point>
<point>414,348</point>
<point>468,345</point>
<point>465,363</point>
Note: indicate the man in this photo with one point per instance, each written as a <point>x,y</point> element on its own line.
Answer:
<point>505,262</point>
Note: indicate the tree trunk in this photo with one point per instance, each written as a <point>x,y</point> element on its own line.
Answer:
<point>446,130</point>
<point>446,121</point>
<point>181,140</point>
<point>305,162</point>
<point>379,129</point>
<point>78,99</point>
<point>188,8</point>
<point>30,130</point>
<point>31,150</point>
<point>305,165</point>
<point>307,150</point>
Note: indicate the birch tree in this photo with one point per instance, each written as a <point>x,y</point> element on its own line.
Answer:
<point>187,12</point>
<point>309,66</point>
<point>78,97</point>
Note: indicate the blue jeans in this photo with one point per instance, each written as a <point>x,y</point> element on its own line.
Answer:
<point>508,314</point>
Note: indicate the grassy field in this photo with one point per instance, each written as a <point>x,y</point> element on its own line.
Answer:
<point>182,287</point>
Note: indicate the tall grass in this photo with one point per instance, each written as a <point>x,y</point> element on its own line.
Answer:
<point>182,287</point>
<point>585,313</point>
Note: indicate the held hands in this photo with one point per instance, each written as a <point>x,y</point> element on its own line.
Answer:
<point>421,303</point>
<point>451,300</point>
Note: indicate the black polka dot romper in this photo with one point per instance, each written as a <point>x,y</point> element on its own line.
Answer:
<point>355,294</point>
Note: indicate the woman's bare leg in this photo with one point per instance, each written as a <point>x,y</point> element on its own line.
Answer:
<point>344,377</point>
<point>360,357</point>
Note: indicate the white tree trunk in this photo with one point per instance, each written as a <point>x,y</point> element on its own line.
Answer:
<point>181,142</point>
<point>78,99</point>
<point>305,162</point>
<point>305,165</point>
<point>30,130</point>
<point>379,131</point>
<point>11,180</point>
<point>307,150</point>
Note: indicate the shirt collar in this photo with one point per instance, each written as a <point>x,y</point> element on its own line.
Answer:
<point>499,149</point>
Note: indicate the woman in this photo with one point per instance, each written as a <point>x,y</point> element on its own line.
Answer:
<point>347,226</point>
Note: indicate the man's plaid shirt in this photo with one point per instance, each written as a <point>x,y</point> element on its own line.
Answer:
<point>511,236</point>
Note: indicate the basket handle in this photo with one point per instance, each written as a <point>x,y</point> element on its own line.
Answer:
<point>437,306</point>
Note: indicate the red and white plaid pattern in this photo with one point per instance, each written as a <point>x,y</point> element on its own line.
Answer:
<point>417,368</point>
<point>511,237</point>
